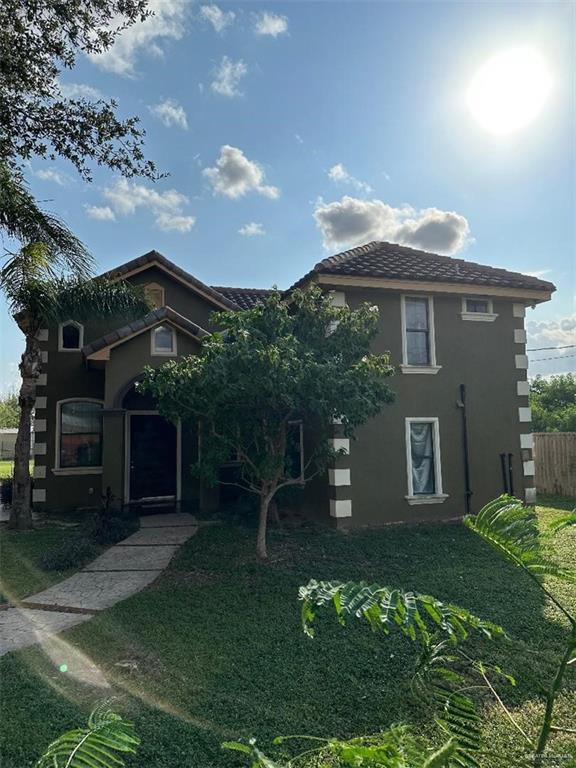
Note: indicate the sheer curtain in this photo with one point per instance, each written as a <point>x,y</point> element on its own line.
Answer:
<point>422,450</point>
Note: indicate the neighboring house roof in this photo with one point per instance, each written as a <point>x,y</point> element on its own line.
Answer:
<point>154,258</point>
<point>102,345</point>
<point>245,298</point>
<point>398,262</point>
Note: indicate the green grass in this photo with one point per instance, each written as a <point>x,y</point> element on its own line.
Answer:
<point>20,554</point>
<point>7,468</point>
<point>214,649</point>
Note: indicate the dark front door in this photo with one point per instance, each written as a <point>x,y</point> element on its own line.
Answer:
<point>153,457</point>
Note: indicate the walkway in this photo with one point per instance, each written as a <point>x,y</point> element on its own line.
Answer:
<point>120,572</point>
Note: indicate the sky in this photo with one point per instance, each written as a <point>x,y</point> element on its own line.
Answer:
<point>292,131</point>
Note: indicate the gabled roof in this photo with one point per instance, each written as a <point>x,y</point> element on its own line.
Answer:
<point>245,298</point>
<point>398,262</point>
<point>154,258</point>
<point>120,335</point>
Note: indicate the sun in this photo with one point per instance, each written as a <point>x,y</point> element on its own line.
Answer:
<point>509,90</point>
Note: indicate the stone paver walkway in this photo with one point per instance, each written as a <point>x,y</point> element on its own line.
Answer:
<point>121,571</point>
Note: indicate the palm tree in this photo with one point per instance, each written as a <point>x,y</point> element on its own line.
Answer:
<point>38,297</point>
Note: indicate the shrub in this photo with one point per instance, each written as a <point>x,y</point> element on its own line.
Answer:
<point>69,554</point>
<point>6,487</point>
<point>105,528</point>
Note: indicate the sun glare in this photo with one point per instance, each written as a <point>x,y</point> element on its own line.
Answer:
<point>509,90</point>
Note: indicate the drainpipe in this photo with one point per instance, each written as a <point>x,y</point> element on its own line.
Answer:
<point>504,473</point>
<point>462,406</point>
<point>510,475</point>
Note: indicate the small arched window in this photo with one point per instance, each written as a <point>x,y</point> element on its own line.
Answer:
<point>163,340</point>
<point>70,336</point>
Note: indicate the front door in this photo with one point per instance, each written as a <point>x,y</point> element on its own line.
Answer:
<point>153,457</point>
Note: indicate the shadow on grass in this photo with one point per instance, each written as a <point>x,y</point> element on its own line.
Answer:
<point>214,650</point>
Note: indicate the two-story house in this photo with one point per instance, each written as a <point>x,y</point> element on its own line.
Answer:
<point>458,434</point>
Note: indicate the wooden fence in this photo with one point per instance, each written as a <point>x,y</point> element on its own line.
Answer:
<point>555,463</point>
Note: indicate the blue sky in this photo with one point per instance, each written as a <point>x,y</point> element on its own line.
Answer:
<point>293,130</point>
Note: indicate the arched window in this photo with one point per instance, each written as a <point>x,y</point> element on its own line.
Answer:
<point>79,443</point>
<point>163,340</point>
<point>70,336</point>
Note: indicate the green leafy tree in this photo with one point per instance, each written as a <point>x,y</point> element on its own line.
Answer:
<point>39,296</point>
<point>9,410</point>
<point>40,39</point>
<point>281,362</point>
<point>553,403</point>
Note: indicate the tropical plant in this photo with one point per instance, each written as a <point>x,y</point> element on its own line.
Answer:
<point>39,296</point>
<point>102,744</point>
<point>272,368</point>
<point>512,530</point>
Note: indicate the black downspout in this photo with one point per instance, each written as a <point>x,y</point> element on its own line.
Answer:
<point>462,404</point>
<point>504,473</point>
<point>510,475</point>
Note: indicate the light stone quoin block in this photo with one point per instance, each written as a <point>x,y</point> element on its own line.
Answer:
<point>527,441</point>
<point>339,443</point>
<point>42,334</point>
<point>524,414</point>
<point>530,495</point>
<point>40,403</point>
<point>39,425</point>
<point>521,361</point>
<point>42,380</point>
<point>519,336</point>
<point>44,356</point>
<point>340,507</point>
<point>39,495</point>
<point>519,310</point>
<point>529,469</point>
<point>39,449</point>
<point>339,476</point>
<point>39,472</point>
<point>522,388</point>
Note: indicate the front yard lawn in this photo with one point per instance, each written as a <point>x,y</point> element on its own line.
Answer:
<point>214,649</point>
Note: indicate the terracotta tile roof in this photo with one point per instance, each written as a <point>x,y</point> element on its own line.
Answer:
<point>398,262</point>
<point>152,318</point>
<point>155,256</point>
<point>245,298</point>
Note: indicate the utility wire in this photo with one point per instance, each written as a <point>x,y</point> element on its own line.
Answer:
<point>556,357</point>
<point>542,349</point>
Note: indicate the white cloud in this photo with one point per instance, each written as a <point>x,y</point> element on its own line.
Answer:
<point>351,221</point>
<point>227,77</point>
<point>167,22</point>
<point>217,17</point>
<point>100,212</point>
<point>339,174</point>
<point>252,230</point>
<point>51,174</point>
<point>170,113</point>
<point>234,175</point>
<point>552,333</point>
<point>80,91</point>
<point>125,198</point>
<point>270,24</point>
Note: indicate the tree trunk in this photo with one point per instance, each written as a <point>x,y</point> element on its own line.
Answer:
<point>21,513</point>
<point>262,525</point>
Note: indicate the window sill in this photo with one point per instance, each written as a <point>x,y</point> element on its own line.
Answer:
<point>69,349</point>
<point>479,317</point>
<point>430,369</point>
<point>438,498</point>
<point>155,353</point>
<point>77,471</point>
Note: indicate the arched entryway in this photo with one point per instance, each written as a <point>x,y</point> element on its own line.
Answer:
<point>153,447</point>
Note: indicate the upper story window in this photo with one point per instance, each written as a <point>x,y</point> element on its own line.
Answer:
<point>163,340</point>
<point>478,308</point>
<point>70,336</point>
<point>80,434</point>
<point>155,295</point>
<point>418,343</point>
<point>423,461</point>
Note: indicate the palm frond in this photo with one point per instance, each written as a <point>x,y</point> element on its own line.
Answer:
<point>563,522</point>
<point>22,219</point>
<point>461,721</point>
<point>414,614</point>
<point>512,530</point>
<point>99,297</point>
<point>99,745</point>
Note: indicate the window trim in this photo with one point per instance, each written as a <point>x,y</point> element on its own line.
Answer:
<point>156,287</point>
<point>435,498</point>
<point>61,347</point>
<point>482,317</point>
<point>57,469</point>
<point>163,352</point>
<point>406,367</point>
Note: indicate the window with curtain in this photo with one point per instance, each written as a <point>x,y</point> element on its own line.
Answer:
<point>417,331</point>
<point>481,306</point>
<point>80,434</point>
<point>422,458</point>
